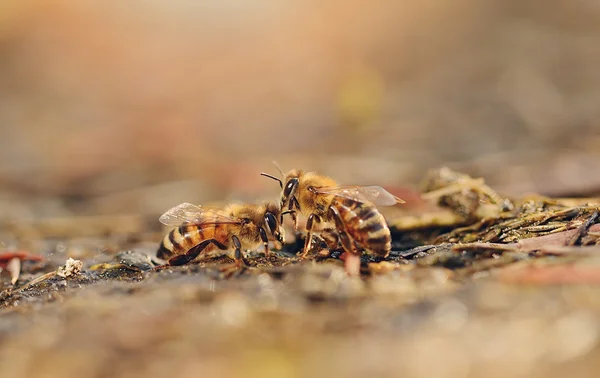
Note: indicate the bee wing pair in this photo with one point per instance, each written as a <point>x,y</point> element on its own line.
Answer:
<point>374,194</point>
<point>187,213</point>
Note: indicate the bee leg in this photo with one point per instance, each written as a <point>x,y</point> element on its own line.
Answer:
<point>312,218</point>
<point>194,252</point>
<point>290,210</point>
<point>239,258</point>
<point>332,239</point>
<point>265,240</point>
<point>240,263</point>
<point>352,258</point>
<point>294,218</point>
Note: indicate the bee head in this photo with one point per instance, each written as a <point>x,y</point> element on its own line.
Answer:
<point>289,186</point>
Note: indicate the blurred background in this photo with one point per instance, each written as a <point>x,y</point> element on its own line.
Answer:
<point>112,107</point>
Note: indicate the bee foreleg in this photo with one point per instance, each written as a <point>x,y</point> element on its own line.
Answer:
<point>194,252</point>
<point>294,202</point>
<point>265,240</point>
<point>312,218</point>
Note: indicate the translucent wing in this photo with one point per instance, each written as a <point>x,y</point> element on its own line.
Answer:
<point>189,213</point>
<point>374,194</point>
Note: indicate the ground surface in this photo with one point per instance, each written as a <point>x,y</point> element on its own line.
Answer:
<point>434,308</point>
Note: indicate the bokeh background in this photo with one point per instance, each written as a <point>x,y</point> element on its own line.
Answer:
<point>135,106</point>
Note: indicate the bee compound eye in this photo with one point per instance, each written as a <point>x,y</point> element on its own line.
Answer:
<point>290,187</point>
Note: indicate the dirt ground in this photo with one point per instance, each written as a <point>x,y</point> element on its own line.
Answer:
<point>112,113</point>
<point>522,301</point>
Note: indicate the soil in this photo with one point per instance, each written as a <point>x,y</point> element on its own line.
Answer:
<point>439,306</point>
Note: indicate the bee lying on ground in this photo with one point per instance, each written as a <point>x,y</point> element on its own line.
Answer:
<point>200,231</point>
<point>358,225</point>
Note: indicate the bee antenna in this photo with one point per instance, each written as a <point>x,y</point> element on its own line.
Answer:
<point>288,212</point>
<point>278,168</point>
<point>272,177</point>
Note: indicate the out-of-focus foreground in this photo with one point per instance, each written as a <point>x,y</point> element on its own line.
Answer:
<point>112,112</point>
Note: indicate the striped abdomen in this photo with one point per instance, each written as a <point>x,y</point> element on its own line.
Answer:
<point>365,225</point>
<point>183,238</point>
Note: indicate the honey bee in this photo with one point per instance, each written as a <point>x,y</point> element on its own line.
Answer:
<point>237,226</point>
<point>358,225</point>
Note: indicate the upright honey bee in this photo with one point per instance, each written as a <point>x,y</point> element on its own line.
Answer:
<point>237,226</point>
<point>358,225</point>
